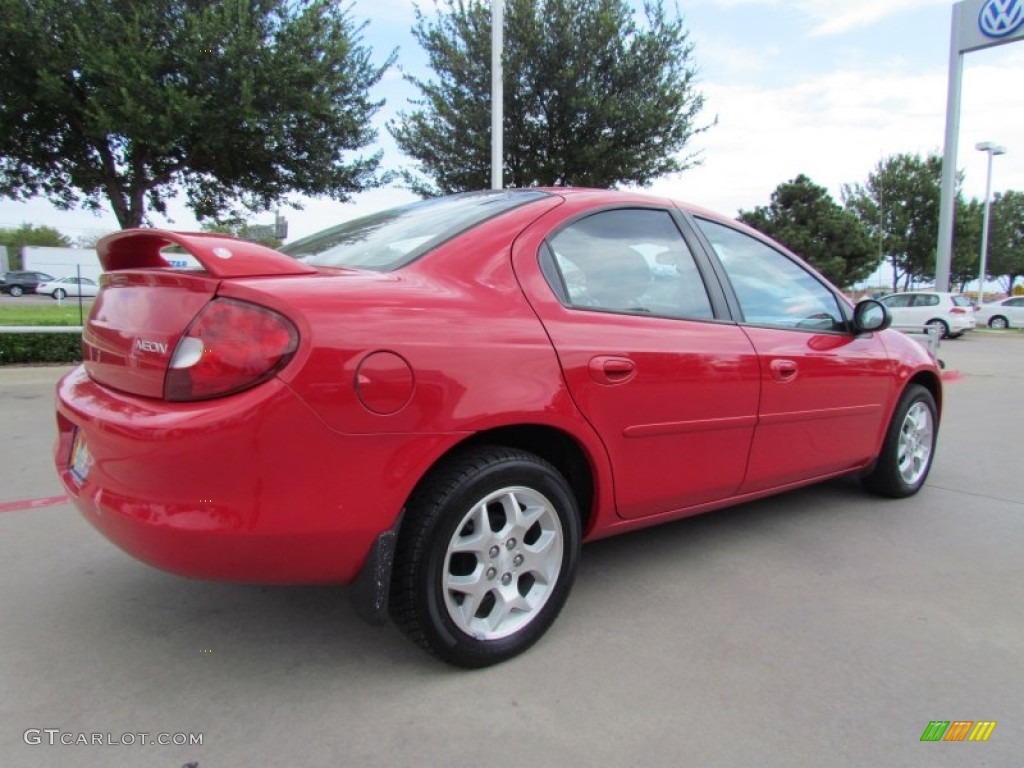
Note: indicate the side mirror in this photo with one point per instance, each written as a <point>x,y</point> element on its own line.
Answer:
<point>871,315</point>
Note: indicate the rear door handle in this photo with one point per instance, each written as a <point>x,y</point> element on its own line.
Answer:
<point>783,370</point>
<point>608,369</point>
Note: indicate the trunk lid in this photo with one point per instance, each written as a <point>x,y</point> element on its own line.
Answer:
<point>145,306</point>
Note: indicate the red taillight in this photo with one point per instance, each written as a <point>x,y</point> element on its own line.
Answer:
<point>958,311</point>
<point>229,347</point>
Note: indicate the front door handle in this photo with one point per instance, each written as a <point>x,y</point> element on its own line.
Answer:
<point>783,370</point>
<point>608,369</point>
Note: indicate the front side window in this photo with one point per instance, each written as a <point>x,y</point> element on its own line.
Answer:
<point>927,300</point>
<point>631,260</point>
<point>772,289</point>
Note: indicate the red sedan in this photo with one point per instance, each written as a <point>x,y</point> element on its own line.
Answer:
<point>441,402</point>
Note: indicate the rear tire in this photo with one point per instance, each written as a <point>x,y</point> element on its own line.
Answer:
<point>486,557</point>
<point>16,290</point>
<point>942,325</point>
<point>909,447</point>
<point>999,322</point>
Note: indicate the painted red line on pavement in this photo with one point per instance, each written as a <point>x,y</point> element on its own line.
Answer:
<point>49,501</point>
<point>952,376</point>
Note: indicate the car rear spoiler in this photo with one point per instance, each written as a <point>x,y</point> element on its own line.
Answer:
<point>220,255</point>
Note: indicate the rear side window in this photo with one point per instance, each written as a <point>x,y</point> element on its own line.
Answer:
<point>926,300</point>
<point>772,289</point>
<point>899,300</point>
<point>962,301</point>
<point>631,260</point>
<point>391,239</point>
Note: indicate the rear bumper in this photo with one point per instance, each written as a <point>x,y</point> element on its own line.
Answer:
<point>249,488</point>
<point>958,324</point>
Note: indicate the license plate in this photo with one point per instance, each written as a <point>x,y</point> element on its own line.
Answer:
<point>81,459</point>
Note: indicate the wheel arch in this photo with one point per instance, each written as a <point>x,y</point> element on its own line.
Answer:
<point>931,382</point>
<point>556,446</point>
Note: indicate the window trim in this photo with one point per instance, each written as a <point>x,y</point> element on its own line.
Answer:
<point>716,297</point>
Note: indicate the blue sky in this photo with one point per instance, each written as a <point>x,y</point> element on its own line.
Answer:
<point>818,87</point>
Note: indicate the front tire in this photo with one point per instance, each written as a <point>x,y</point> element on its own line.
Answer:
<point>906,458</point>
<point>60,294</point>
<point>486,557</point>
<point>16,290</point>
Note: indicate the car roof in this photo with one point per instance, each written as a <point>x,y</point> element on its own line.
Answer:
<point>927,293</point>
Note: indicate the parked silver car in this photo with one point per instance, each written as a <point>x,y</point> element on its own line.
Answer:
<point>915,311</point>
<point>1008,313</point>
<point>69,286</point>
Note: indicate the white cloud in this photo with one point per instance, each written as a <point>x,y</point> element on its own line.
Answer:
<point>828,17</point>
<point>836,126</point>
<point>720,54</point>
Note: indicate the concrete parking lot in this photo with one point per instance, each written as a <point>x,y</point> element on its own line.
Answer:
<point>824,627</point>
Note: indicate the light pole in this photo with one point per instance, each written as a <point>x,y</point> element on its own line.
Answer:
<point>497,94</point>
<point>991,149</point>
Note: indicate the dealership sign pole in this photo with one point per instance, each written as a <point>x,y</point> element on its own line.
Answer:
<point>977,24</point>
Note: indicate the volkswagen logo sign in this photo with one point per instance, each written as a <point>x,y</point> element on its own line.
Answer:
<point>1001,18</point>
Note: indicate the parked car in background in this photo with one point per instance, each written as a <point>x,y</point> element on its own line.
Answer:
<point>439,403</point>
<point>1008,313</point>
<point>68,286</point>
<point>915,311</point>
<point>20,282</point>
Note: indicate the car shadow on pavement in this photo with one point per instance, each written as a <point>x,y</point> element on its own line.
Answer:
<point>237,630</point>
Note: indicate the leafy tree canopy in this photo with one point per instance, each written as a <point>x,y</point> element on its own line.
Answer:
<point>899,206</point>
<point>239,102</point>
<point>29,234</point>
<point>240,228</point>
<point>591,96</point>
<point>966,242</point>
<point>804,217</point>
<point>1006,238</point>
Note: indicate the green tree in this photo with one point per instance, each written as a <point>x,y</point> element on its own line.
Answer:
<point>591,96</point>
<point>1006,238</point>
<point>240,228</point>
<point>966,242</point>
<point>29,234</point>
<point>804,217</point>
<point>899,206</point>
<point>239,102</point>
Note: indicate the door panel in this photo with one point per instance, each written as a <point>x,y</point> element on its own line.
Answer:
<point>678,425</point>
<point>824,394</point>
<point>824,417</point>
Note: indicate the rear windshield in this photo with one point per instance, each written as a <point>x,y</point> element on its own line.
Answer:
<point>391,239</point>
<point>962,301</point>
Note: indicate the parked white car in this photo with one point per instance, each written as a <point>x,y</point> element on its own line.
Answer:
<point>1008,313</point>
<point>951,313</point>
<point>63,287</point>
